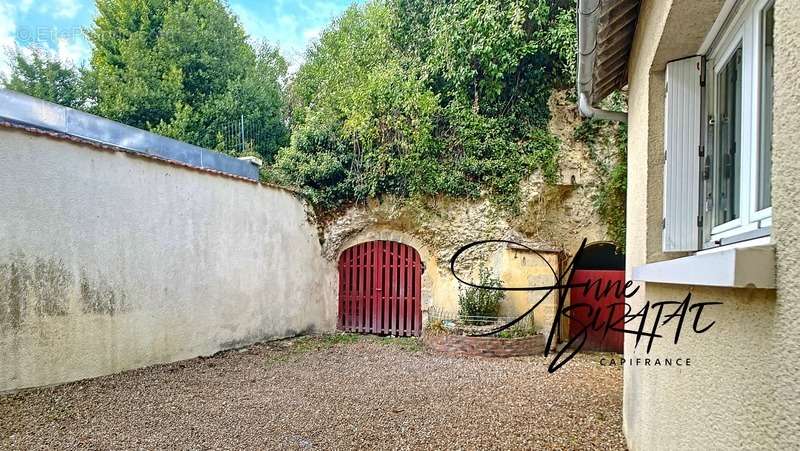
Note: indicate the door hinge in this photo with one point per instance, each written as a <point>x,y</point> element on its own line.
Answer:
<point>701,150</point>
<point>663,223</point>
<point>699,220</point>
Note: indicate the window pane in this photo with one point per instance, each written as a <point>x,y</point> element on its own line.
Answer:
<point>727,168</point>
<point>765,145</point>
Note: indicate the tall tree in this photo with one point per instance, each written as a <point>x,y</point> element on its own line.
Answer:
<point>184,68</point>
<point>362,119</point>
<point>420,97</point>
<point>40,74</point>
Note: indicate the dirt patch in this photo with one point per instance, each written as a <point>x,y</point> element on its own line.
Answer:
<point>340,392</point>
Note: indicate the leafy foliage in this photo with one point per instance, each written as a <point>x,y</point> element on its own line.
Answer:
<point>414,98</point>
<point>610,200</point>
<point>41,75</point>
<point>183,68</point>
<point>474,301</point>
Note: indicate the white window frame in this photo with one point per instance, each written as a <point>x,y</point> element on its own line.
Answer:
<point>764,216</point>
<point>745,28</point>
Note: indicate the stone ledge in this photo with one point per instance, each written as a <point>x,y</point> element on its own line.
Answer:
<point>485,346</point>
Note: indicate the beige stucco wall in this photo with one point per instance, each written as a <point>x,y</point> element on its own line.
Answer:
<point>786,229</point>
<point>524,268</point>
<point>741,391</point>
<point>110,261</point>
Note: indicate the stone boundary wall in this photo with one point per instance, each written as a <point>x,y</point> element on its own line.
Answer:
<point>485,346</point>
<point>111,261</point>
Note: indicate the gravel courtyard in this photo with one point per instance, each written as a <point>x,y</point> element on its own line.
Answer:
<point>332,392</point>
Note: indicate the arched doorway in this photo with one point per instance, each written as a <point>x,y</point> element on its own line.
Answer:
<point>599,264</point>
<point>380,289</point>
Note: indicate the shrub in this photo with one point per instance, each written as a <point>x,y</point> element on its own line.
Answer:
<point>480,302</point>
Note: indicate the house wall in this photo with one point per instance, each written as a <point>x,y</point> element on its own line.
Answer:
<point>786,233</point>
<point>740,391</point>
<point>110,261</point>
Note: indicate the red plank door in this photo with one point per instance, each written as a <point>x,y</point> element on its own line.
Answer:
<point>598,340</point>
<point>380,289</point>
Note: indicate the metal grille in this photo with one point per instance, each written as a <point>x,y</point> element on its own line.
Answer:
<point>471,324</point>
<point>243,137</point>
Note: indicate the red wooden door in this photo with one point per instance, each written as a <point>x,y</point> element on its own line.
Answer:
<point>598,340</point>
<point>380,289</point>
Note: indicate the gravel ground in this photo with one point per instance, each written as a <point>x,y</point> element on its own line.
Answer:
<point>335,392</point>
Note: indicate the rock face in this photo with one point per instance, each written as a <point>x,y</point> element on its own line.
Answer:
<point>554,218</point>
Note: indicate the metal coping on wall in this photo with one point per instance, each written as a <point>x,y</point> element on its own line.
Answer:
<point>29,111</point>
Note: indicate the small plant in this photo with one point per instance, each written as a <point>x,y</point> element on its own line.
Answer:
<point>524,328</point>
<point>482,303</point>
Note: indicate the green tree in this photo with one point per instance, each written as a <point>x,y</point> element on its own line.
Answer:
<point>414,97</point>
<point>361,119</point>
<point>257,96</point>
<point>41,75</point>
<point>184,68</point>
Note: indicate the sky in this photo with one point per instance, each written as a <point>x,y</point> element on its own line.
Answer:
<point>56,25</point>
